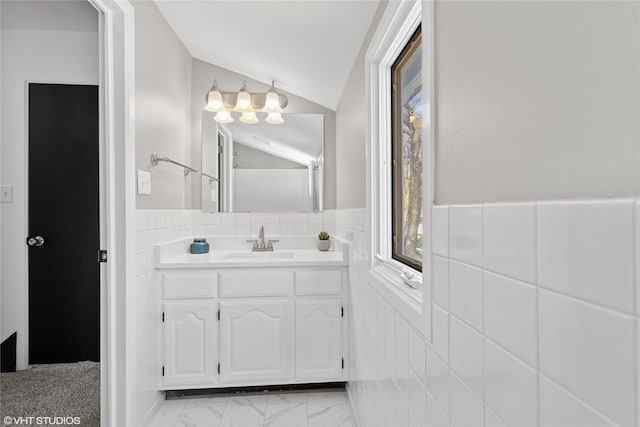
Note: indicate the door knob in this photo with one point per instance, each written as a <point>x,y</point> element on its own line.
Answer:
<point>35,241</point>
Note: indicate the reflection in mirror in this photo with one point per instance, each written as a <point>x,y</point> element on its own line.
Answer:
<point>262,167</point>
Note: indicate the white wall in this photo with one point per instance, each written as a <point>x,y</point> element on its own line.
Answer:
<point>163,108</point>
<point>203,76</point>
<point>537,100</point>
<point>351,130</point>
<point>37,56</point>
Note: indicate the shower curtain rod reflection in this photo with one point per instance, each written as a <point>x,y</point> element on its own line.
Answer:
<point>210,178</point>
<point>155,159</point>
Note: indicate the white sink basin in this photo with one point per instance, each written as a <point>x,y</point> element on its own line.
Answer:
<point>260,255</point>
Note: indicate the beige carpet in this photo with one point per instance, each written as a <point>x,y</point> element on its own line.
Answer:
<point>56,390</point>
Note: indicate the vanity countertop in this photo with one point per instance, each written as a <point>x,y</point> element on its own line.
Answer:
<point>175,255</point>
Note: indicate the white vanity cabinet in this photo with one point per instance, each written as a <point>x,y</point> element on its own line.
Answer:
<point>252,326</point>
<point>190,330</point>
<point>190,343</point>
<point>256,338</point>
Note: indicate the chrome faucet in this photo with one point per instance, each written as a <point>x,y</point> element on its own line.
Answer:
<point>259,244</point>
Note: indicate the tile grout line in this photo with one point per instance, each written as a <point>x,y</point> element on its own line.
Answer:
<point>537,320</point>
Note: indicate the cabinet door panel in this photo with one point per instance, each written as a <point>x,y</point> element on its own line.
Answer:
<point>256,341</point>
<point>319,339</point>
<point>190,343</point>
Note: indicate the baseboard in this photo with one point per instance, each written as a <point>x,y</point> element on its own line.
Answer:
<point>185,394</point>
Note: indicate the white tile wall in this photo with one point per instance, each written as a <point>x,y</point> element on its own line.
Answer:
<point>585,245</point>
<point>465,284</point>
<point>554,344</point>
<point>465,234</point>
<point>151,227</point>
<point>544,327</point>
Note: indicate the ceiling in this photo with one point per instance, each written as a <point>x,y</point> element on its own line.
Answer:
<point>308,47</point>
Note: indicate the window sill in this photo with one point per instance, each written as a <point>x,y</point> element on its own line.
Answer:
<point>404,299</point>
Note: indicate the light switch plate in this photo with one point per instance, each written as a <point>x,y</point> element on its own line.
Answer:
<point>6,193</point>
<point>144,182</point>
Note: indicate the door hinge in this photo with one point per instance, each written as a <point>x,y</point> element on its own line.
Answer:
<point>102,255</point>
<point>163,317</point>
<point>163,371</point>
<point>218,314</point>
<point>218,368</point>
<point>343,363</point>
<point>342,311</point>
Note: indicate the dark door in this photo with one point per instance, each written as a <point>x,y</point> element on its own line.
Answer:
<point>64,223</point>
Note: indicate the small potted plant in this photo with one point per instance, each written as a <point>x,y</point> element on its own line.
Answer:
<point>323,241</point>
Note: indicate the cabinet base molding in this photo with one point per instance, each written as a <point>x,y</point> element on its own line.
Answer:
<point>258,389</point>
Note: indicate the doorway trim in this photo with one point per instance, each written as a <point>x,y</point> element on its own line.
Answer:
<point>117,210</point>
<point>226,174</point>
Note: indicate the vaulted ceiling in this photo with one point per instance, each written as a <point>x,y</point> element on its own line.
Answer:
<point>307,47</point>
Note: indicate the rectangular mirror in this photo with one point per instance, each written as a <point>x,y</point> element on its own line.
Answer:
<point>263,167</point>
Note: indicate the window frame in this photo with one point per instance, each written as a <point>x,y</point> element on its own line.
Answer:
<point>396,150</point>
<point>387,275</point>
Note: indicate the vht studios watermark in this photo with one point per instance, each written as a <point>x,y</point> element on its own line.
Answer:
<point>39,421</point>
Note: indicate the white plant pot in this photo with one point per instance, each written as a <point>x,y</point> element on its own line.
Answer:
<point>324,245</point>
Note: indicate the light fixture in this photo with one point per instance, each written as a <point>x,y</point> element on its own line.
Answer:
<point>249,117</point>
<point>274,119</point>
<point>214,99</point>
<point>223,117</point>
<point>247,103</point>
<point>272,102</point>
<point>243,100</point>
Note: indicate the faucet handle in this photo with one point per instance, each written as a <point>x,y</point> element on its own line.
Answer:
<point>252,241</point>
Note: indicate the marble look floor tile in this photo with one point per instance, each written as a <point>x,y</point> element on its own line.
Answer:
<point>209,402</point>
<point>275,399</point>
<point>328,410</point>
<point>168,413</point>
<point>202,416</point>
<point>244,411</point>
<point>313,409</point>
<point>292,414</point>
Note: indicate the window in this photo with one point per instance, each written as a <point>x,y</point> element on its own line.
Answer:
<point>400,129</point>
<point>406,151</point>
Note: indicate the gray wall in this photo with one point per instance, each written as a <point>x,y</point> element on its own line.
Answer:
<point>537,100</point>
<point>202,79</point>
<point>162,108</point>
<point>351,130</point>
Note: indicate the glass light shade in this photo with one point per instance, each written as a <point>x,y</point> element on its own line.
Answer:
<point>272,103</point>
<point>249,117</point>
<point>223,117</point>
<point>214,102</point>
<point>243,102</point>
<point>274,119</point>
